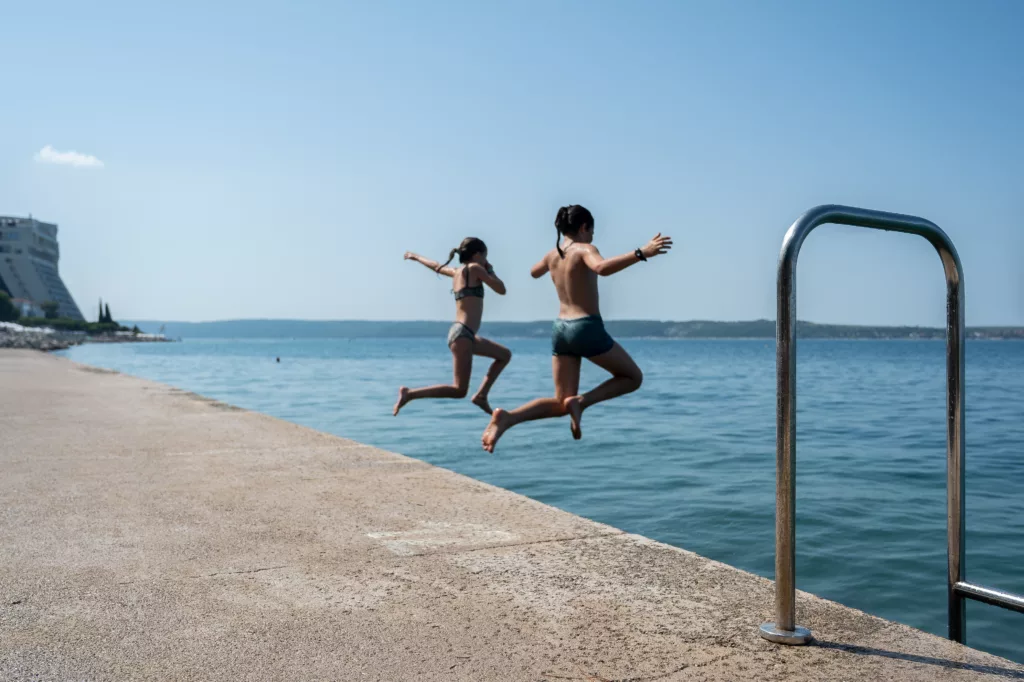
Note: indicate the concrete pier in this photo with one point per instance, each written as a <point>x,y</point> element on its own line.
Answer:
<point>152,534</point>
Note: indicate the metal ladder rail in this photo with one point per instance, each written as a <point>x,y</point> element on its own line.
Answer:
<point>785,630</point>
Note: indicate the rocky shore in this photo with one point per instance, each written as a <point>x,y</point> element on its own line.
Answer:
<point>35,338</point>
<point>15,336</point>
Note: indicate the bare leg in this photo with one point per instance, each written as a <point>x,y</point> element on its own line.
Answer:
<point>462,362</point>
<point>566,371</point>
<point>502,356</point>
<point>626,378</point>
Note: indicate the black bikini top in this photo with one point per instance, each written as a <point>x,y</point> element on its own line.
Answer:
<point>476,292</point>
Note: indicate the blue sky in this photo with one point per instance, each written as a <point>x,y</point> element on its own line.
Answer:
<point>267,160</point>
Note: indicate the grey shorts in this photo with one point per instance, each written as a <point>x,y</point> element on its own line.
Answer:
<point>583,337</point>
<point>460,331</point>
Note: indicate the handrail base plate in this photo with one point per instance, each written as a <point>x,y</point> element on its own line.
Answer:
<point>796,637</point>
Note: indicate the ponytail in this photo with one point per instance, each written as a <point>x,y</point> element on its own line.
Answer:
<point>451,257</point>
<point>569,221</point>
<point>561,223</point>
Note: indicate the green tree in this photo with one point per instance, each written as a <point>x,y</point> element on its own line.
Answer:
<point>50,309</point>
<point>99,316</point>
<point>108,319</point>
<point>8,311</point>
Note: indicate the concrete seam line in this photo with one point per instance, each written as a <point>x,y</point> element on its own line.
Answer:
<point>205,575</point>
<point>523,544</point>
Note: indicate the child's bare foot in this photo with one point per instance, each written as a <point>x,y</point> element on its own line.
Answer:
<point>574,406</point>
<point>499,424</point>
<point>403,398</point>
<point>481,402</point>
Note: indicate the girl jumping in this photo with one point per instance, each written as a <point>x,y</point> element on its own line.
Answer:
<point>463,341</point>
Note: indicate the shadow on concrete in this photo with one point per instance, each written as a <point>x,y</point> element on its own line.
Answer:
<point>926,660</point>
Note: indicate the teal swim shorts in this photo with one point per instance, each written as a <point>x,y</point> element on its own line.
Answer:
<point>583,337</point>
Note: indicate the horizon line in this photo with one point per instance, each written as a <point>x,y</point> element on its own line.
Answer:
<point>547,321</point>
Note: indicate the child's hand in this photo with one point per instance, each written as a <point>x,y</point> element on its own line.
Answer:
<point>657,246</point>
<point>409,255</point>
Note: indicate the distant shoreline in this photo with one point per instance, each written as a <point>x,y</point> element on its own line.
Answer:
<point>637,329</point>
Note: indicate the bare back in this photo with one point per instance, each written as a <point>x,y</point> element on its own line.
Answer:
<point>469,310</point>
<point>574,281</point>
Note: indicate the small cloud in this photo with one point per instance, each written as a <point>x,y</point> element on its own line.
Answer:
<point>50,155</point>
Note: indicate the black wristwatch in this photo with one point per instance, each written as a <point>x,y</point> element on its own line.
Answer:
<point>640,255</point>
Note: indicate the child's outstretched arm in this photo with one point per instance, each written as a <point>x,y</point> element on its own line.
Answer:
<point>432,264</point>
<point>609,266</point>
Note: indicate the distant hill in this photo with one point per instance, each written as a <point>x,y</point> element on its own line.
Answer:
<point>697,329</point>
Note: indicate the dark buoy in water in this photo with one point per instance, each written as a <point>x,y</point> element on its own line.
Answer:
<point>279,360</point>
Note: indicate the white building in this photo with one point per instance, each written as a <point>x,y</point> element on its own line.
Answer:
<point>28,264</point>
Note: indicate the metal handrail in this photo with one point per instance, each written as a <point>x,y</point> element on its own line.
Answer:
<point>785,630</point>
